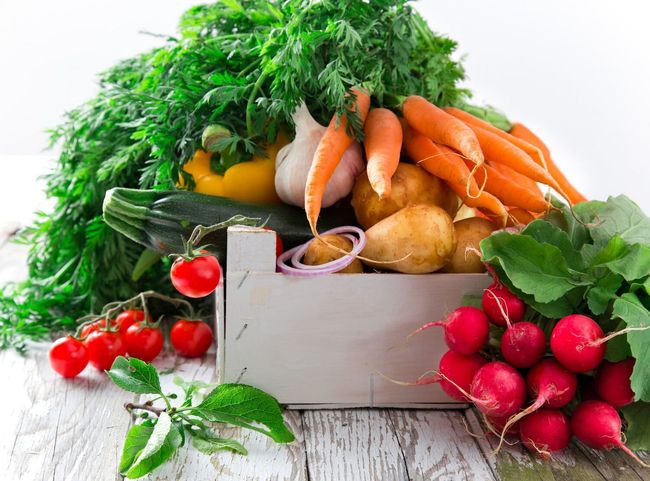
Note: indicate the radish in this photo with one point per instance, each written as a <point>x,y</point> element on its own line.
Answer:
<point>502,306</point>
<point>466,330</point>
<point>598,425</point>
<point>613,382</point>
<point>523,344</point>
<point>498,390</point>
<point>551,385</point>
<point>545,431</point>
<point>578,343</point>
<point>455,374</point>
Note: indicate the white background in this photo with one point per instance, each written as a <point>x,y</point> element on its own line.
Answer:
<point>576,72</point>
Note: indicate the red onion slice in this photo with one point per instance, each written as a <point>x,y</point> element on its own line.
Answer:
<point>297,268</point>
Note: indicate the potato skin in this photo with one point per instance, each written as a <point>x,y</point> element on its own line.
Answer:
<point>469,233</point>
<point>319,253</point>
<point>420,235</point>
<point>410,185</point>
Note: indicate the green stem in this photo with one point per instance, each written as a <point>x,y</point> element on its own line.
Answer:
<point>250,105</point>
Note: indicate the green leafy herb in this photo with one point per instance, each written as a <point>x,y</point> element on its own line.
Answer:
<point>152,443</point>
<point>597,264</point>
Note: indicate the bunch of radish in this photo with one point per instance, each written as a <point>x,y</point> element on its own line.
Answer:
<point>528,386</point>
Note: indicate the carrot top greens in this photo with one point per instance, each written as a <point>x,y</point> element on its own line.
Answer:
<point>244,64</point>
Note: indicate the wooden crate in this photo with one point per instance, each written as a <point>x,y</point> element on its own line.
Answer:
<point>322,342</point>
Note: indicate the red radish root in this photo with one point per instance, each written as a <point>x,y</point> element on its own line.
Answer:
<point>498,390</point>
<point>523,344</point>
<point>551,385</point>
<point>598,425</point>
<point>613,382</point>
<point>545,431</point>
<point>466,330</point>
<point>502,306</point>
<point>576,342</point>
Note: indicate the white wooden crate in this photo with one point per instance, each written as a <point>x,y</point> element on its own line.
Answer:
<point>321,342</point>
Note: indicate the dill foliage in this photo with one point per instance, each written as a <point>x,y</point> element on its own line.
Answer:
<point>245,64</point>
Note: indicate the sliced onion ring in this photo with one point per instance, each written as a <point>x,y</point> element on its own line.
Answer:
<point>297,268</point>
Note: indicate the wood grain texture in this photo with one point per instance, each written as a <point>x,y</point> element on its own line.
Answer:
<point>58,429</point>
<point>352,444</point>
<point>436,445</point>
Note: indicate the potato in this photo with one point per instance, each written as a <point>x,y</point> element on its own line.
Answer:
<point>410,185</point>
<point>319,253</point>
<point>419,237</point>
<point>469,233</point>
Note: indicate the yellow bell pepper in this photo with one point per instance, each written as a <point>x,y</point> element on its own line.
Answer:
<point>197,167</point>
<point>211,185</point>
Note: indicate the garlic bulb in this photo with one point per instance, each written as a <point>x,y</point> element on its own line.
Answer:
<point>294,160</point>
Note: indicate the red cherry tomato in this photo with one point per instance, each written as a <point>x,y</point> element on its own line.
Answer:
<point>104,347</point>
<point>196,278</point>
<point>127,318</point>
<point>279,246</point>
<point>68,356</point>
<point>143,342</point>
<point>92,327</point>
<point>191,338</point>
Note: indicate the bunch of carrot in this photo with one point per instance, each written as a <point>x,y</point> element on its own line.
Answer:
<point>495,171</point>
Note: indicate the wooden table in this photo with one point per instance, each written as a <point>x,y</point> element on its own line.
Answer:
<point>56,429</point>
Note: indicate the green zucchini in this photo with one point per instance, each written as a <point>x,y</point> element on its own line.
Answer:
<point>161,220</point>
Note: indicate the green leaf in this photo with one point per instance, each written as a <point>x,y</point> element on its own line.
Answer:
<point>603,292</point>
<point>162,443</point>
<point>534,268</point>
<point>211,444</point>
<point>637,435</point>
<point>633,265</point>
<point>614,249</point>
<point>191,387</point>
<point>136,440</point>
<point>618,349</point>
<point>247,407</point>
<point>619,216</point>
<point>135,375</point>
<point>633,312</point>
<point>546,233</point>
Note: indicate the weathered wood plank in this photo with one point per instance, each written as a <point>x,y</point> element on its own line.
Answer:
<point>515,463</point>
<point>266,460</point>
<point>436,445</point>
<point>58,429</point>
<point>615,464</point>
<point>358,444</point>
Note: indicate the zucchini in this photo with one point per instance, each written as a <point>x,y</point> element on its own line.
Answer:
<point>160,220</point>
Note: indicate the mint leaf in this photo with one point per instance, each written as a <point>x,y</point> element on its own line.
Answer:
<point>162,443</point>
<point>637,416</point>
<point>630,309</point>
<point>211,444</point>
<point>136,440</point>
<point>620,216</point>
<point>546,233</point>
<point>247,407</point>
<point>135,375</point>
<point>534,268</point>
<point>634,265</point>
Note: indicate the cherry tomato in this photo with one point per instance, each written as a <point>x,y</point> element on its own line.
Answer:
<point>191,338</point>
<point>196,278</point>
<point>104,347</point>
<point>68,356</point>
<point>92,327</point>
<point>127,318</point>
<point>143,342</point>
<point>279,246</point>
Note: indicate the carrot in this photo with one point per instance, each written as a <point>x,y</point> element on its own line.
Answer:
<point>519,216</point>
<point>509,192</point>
<point>442,128</point>
<point>522,132</point>
<point>330,149</point>
<point>382,142</point>
<point>442,162</point>
<point>515,176</point>
<point>535,152</point>
<point>499,150</point>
